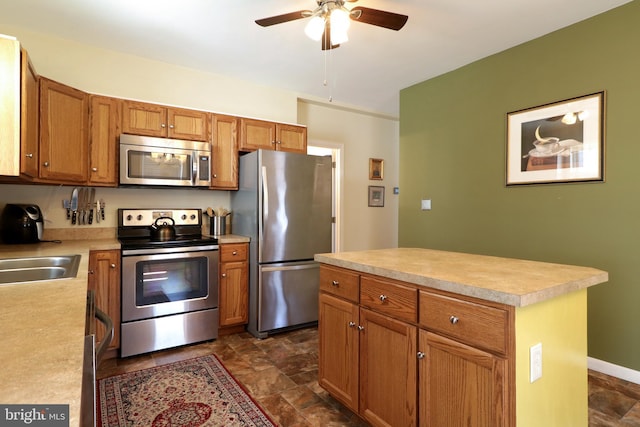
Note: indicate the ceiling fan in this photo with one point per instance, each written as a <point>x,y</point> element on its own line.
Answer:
<point>330,20</point>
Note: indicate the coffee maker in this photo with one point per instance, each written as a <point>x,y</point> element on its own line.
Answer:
<point>21,223</point>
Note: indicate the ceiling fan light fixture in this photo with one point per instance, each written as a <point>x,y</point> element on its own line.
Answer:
<point>340,20</point>
<point>315,28</point>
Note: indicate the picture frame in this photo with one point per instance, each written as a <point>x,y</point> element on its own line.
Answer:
<point>376,169</point>
<point>560,142</point>
<point>376,196</point>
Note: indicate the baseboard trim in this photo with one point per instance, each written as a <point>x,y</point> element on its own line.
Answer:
<point>613,370</point>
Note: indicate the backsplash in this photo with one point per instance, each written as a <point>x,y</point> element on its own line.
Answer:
<point>50,199</point>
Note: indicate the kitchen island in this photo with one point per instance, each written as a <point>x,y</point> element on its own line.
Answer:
<point>460,328</point>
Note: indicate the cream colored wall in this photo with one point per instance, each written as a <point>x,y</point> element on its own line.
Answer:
<point>126,76</point>
<point>560,397</point>
<point>363,136</point>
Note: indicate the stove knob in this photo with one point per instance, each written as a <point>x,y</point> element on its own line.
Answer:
<point>184,216</point>
<point>139,217</point>
<point>193,216</point>
<point>129,217</point>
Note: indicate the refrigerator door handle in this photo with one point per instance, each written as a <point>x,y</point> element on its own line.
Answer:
<point>265,201</point>
<point>306,266</point>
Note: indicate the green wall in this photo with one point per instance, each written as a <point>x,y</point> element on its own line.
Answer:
<point>452,151</point>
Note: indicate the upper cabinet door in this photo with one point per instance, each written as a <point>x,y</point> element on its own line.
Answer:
<point>291,138</point>
<point>224,153</point>
<point>188,124</point>
<point>29,115</point>
<point>64,118</point>
<point>257,134</point>
<point>140,118</point>
<point>105,115</point>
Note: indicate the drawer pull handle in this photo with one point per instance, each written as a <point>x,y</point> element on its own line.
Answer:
<point>383,298</point>
<point>420,355</point>
<point>335,283</point>
<point>234,253</point>
<point>360,328</point>
<point>453,320</point>
<point>352,324</point>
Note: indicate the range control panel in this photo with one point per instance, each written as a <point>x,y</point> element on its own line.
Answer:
<point>146,217</point>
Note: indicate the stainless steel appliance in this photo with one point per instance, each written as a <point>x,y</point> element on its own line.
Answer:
<point>21,224</point>
<point>145,160</point>
<point>284,205</point>
<point>169,287</point>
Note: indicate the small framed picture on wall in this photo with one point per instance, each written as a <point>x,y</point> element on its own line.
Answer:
<point>376,196</point>
<point>376,169</point>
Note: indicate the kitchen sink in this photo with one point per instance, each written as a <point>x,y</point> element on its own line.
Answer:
<point>20,270</point>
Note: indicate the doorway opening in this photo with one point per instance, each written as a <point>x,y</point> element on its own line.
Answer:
<point>322,148</point>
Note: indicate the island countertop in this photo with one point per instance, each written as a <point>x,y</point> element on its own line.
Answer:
<point>508,281</point>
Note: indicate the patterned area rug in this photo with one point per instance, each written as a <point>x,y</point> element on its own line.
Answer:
<point>189,393</point>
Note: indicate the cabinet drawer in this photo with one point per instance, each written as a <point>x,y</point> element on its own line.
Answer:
<point>389,298</point>
<point>233,252</point>
<point>476,324</point>
<point>339,282</point>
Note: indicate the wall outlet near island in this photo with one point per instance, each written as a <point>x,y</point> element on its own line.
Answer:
<point>535,362</point>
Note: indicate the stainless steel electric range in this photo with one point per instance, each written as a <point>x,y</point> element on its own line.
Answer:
<point>169,280</point>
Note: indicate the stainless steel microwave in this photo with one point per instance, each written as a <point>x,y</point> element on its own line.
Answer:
<point>146,160</point>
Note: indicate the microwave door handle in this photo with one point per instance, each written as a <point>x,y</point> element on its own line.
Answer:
<point>194,168</point>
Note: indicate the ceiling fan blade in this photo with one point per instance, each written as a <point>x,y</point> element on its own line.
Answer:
<point>380,18</point>
<point>326,37</point>
<point>279,19</point>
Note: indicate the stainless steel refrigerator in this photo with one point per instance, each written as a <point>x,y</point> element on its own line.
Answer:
<point>284,205</point>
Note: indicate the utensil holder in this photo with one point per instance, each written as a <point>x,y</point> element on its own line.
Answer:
<point>218,226</point>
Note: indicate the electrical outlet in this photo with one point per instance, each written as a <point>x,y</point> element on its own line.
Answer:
<point>425,205</point>
<point>535,362</point>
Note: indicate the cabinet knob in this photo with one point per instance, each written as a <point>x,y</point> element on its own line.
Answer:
<point>94,169</point>
<point>234,253</point>
<point>91,272</point>
<point>224,274</point>
<point>335,283</point>
<point>215,175</point>
<point>29,156</point>
<point>420,355</point>
<point>163,126</point>
<point>352,324</point>
<point>171,126</point>
<point>45,164</point>
<point>383,298</point>
<point>453,320</point>
<point>360,328</point>
<point>113,266</point>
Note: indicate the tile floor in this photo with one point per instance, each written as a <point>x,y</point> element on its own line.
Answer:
<point>280,374</point>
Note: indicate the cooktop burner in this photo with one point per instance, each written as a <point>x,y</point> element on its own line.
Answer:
<point>135,228</point>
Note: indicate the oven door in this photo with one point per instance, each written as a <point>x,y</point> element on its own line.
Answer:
<point>161,284</point>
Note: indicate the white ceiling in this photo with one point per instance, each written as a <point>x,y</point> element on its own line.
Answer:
<point>367,72</point>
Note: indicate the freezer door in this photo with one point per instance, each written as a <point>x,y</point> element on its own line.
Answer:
<point>288,295</point>
<point>295,208</point>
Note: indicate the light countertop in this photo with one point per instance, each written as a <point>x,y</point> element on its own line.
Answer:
<point>42,329</point>
<point>504,280</point>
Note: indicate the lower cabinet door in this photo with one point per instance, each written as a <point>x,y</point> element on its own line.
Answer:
<point>387,371</point>
<point>459,385</point>
<point>338,347</point>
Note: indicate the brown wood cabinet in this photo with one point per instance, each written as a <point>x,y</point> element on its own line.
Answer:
<point>105,116</point>
<point>104,279</point>
<point>64,119</point>
<point>234,284</point>
<point>29,117</point>
<point>224,170</point>
<point>141,118</point>
<point>262,134</point>
<point>452,365</point>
